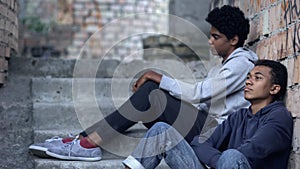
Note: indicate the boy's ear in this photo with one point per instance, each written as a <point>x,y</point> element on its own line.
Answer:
<point>275,89</point>
<point>234,40</point>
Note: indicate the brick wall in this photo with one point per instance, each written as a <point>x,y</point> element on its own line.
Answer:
<point>275,34</point>
<point>82,19</point>
<point>8,34</point>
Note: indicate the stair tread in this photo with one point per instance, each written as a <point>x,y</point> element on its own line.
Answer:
<point>41,163</point>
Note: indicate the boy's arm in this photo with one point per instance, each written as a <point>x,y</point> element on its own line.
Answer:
<point>229,79</point>
<point>274,136</point>
<point>208,152</point>
<point>149,75</point>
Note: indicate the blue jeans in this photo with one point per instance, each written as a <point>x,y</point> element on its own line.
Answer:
<point>233,159</point>
<point>163,142</point>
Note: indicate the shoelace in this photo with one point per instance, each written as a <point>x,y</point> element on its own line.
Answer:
<point>69,146</point>
<point>55,138</point>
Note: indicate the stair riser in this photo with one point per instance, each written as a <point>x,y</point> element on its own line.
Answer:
<point>84,90</point>
<point>106,68</point>
<point>48,116</point>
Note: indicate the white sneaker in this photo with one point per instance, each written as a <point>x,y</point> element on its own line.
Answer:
<point>74,151</point>
<point>40,149</point>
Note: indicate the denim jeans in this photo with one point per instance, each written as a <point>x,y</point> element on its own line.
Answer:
<point>163,142</point>
<point>150,105</point>
<point>233,159</point>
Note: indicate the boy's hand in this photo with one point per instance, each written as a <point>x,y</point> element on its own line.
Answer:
<point>149,75</point>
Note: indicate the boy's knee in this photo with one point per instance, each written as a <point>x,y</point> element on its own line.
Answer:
<point>150,84</point>
<point>159,127</point>
<point>165,131</point>
<point>162,126</point>
<point>232,158</point>
<point>231,152</point>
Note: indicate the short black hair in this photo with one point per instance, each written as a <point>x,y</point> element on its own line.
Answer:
<point>279,76</point>
<point>230,21</point>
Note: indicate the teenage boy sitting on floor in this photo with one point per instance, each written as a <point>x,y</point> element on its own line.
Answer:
<point>258,137</point>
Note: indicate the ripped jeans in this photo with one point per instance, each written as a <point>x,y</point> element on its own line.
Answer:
<point>163,142</point>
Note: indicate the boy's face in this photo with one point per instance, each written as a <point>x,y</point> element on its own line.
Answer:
<point>259,85</point>
<point>219,43</point>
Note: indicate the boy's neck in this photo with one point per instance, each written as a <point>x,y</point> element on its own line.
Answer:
<point>229,53</point>
<point>258,105</point>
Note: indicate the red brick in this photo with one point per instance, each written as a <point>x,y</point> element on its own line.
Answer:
<point>293,39</point>
<point>260,24</point>
<point>253,34</point>
<point>249,7</point>
<point>296,144</point>
<point>291,9</point>
<point>262,48</point>
<point>296,75</point>
<point>293,101</point>
<point>2,51</point>
<point>7,52</point>
<point>290,63</point>
<point>2,77</point>
<point>3,10</point>
<point>277,20</point>
<point>3,64</point>
<point>266,3</point>
<point>280,46</point>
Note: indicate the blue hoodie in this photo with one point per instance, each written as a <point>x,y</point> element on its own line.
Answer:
<point>264,138</point>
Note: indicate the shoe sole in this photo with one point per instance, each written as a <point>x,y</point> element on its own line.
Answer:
<point>39,151</point>
<point>62,157</point>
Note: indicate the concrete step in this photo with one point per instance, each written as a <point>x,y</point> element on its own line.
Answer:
<point>90,68</point>
<point>64,115</point>
<point>104,84</point>
<point>51,67</point>
<point>103,164</point>
<point>57,90</point>
<point>80,89</point>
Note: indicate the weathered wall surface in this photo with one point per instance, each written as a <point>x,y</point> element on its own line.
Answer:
<point>194,11</point>
<point>15,100</point>
<point>54,28</point>
<point>16,119</point>
<point>8,34</point>
<point>275,34</point>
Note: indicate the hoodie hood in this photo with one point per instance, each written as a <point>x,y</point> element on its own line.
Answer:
<point>244,52</point>
<point>271,106</point>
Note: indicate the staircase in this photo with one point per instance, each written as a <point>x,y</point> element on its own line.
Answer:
<point>54,109</point>
<point>54,114</point>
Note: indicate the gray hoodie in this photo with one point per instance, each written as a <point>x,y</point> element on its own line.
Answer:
<point>221,92</point>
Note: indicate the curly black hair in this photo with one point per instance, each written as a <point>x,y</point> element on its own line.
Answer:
<point>279,76</point>
<point>230,21</point>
